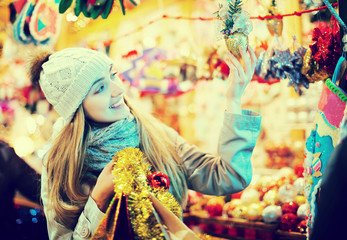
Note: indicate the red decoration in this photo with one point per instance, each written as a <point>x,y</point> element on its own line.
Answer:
<point>299,169</point>
<point>224,69</point>
<point>301,228</point>
<point>326,48</point>
<point>108,42</point>
<point>214,207</point>
<point>290,207</point>
<point>159,179</point>
<point>132,53</point>
<point>236,195</point>
<point>289,222</point>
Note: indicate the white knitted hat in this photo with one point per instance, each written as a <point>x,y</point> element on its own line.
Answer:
<point>68,75</point>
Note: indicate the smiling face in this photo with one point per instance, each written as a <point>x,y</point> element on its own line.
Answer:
<point>104,102</point>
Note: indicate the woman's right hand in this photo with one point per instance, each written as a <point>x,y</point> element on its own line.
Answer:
<point>104,188</point>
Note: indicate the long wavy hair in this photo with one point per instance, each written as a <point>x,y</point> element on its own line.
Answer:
<point>64,163</point>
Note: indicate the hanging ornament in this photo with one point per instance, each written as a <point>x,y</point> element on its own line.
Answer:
<point>275,63</point>
<point>45,21</point>
<point>38,22</point>
<point>234,26</point>
<point>323,139</point>
<point>123,6</point>
<point>95,8</point>
<point>294,75</point>
<point>274,25</point>
<point>320,61</point>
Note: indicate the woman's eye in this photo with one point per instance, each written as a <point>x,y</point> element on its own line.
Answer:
<point>99,90</point>
<point>113,75</point>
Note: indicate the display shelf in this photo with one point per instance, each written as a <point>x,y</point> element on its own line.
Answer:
<point>239,229</point>
<point>284,235</point>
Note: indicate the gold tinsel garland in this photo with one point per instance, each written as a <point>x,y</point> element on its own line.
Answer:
<point>131,171</point>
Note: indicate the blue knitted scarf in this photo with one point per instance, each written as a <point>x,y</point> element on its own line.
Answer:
<point>103,143</point>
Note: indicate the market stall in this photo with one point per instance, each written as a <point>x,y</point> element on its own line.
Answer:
<point>170,56</point>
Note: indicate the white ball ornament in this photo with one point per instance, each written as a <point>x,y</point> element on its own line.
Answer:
<point>299,185</point>
<point>302,211</point>
<point>287,193</point>
<point>272,214</point>
<point>250,196</point>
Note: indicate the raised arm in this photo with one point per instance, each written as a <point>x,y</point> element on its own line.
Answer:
<point>231,170</point>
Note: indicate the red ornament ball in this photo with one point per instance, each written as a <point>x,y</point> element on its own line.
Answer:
<point>299,169</point>
<point>289,222</point>
<point>214,206</point>
<point>159,179</point>
<point>301,228</point>
<point>290,207</point>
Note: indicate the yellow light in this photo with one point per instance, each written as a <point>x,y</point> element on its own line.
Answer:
<point>30,125</point>
<point>23,146</point>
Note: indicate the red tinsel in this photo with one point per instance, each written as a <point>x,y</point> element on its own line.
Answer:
<point>326,48</point>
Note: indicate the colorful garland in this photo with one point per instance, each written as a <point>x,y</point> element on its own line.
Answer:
<point>134,179</point>
<point>335,89</point>
<point>94,8</point>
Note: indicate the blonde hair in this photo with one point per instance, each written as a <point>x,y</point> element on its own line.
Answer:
<point>65,159</point>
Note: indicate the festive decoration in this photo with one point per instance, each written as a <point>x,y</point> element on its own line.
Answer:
<point>147,75</point>
<point>274,25</point>
<point>235,26</point>
<point>300,199</point>
<point>158,180</point>
<point>302,211</point>
<point>132,189</point>
<point>287,193</point>
<point>45,21</point>
<point>272,214</point>
<point>320,61</point>
<point>250,196</point>
<point>37,22</point>
<point>214,206</point>
<point>290,207</point>
<point>302,226</point>
<point>299,184</point>
<point>289,222</point>
<point>15,8</point>
<point>239,211</point>
<point>271,197</point>
<point>94,8</point>
<point>254,212</point>
<point>230,206</point>
<point>278,64</point>
<point>281,215</point>
<point>323,139</point>
<point>336,90</point>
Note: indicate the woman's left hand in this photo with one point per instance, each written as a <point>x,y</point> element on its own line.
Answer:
<point>239,77</point>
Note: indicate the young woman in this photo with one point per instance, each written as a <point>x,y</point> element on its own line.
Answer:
<point>99,121</point>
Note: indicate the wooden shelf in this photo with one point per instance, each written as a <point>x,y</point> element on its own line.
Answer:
<point>242,229</point>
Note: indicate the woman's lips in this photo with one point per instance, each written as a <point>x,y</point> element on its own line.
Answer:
<point>117,104</point>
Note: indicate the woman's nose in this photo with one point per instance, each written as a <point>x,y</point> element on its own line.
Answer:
<point>114,93</point>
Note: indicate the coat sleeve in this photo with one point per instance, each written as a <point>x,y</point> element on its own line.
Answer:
<point>231,170</point>
<point>87,223</point>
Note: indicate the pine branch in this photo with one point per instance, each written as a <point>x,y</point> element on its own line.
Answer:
<point>233,8</point>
